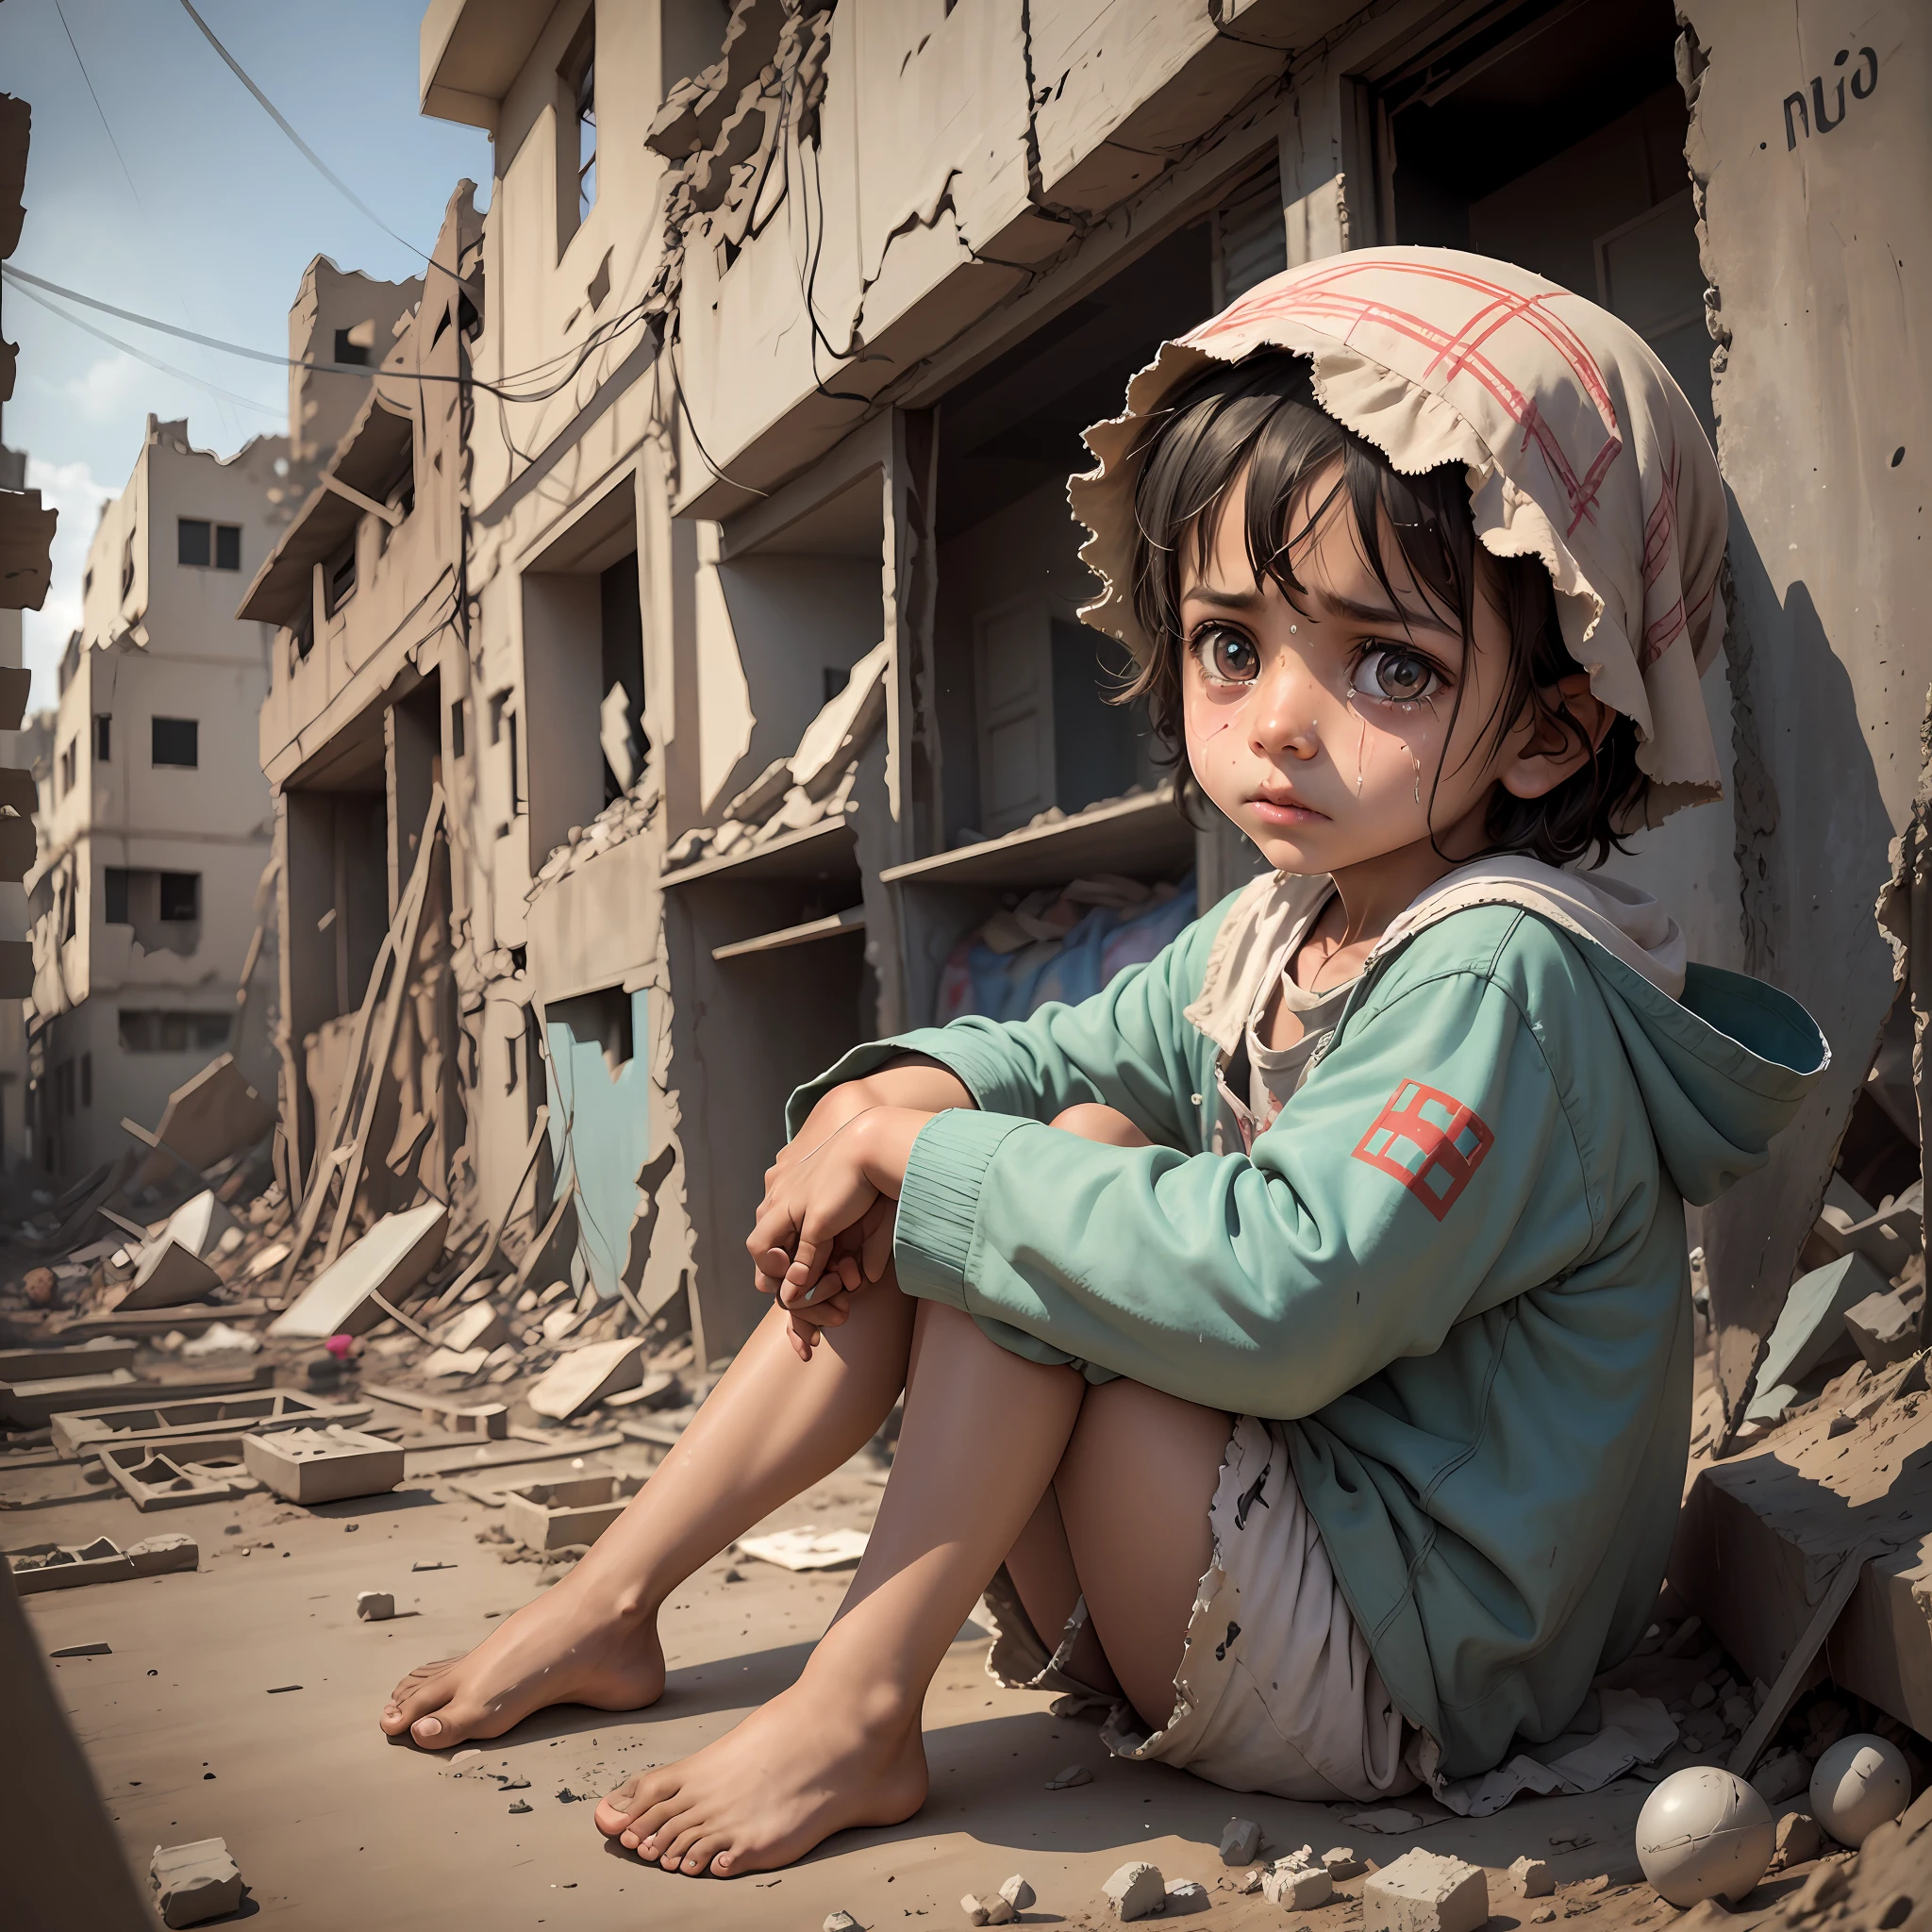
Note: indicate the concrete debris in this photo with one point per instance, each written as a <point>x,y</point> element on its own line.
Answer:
<point>83,1650</point>
<point>1137,1890</point>
<point>1810,1331</point>
<point>1341,1862</point>
<point>558,1515</point>
<point>585,1376</point>
<point>311,1466</point>
<point>194,1882</point>
<point>1884,1327</point>
<point>375,1605</point>
<point>221,1337</point>
<point>1017,1892</point>
<point>994,1910</point>
<point>1241,1838</point>
<point>440,1362</point>
<point>176,1264</point>
<point>1531,1877</point>
<point>1424,1891</point>
<point>841,1921</point>
<point>206,1119</point>
<point>1073,1774</point>
<point>1297,1887</point>
<point>30,1404</point>
<point>808,1548</point>
<point>1187,1896</point>
<point>86,1431</point>
<point>1800,1838</point>
<point>481,1325</point>
<point>65,1566</point>
<point>205,1469</point>
<point>389,1260</point>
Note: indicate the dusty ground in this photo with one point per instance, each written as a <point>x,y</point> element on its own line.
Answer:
<point>241,1701</point>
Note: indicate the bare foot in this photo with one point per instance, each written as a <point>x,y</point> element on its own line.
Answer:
<point>812,1761</point>
<point>565,1648</point>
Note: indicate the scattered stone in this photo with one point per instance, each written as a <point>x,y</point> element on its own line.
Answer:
<point>1241,1838</point>
<point>1703,1696</point>
<point>1250,1881</point>
<point>1885,1328</point>
<point>1017,1892</point>
<point>463,1759</point>
<point>83,1650</point>
<point>1424,1891</point>
<point>1543,1915</point>
<point>375,1605</point>
<point>1736,1711</point>
<point>1341,1861</point>
<point>1532,1878</point>
<point>1299,1887</point>
<point>1137,1890</point>
<point>1594,1888</point>
<point>519,1806</point>
<point>841,1921</point>
<point>1188,1895</point>
<point>194,1882</point>
<point>987,1911</point>
<point>1065,1780</point>
<point>1800,1840</point>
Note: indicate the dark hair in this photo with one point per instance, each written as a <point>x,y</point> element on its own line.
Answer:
<point>1260,416</point>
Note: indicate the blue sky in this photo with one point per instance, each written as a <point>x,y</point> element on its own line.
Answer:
<point>213,231</point>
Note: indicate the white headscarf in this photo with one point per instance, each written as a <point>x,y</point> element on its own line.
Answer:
<point>1580,450</point>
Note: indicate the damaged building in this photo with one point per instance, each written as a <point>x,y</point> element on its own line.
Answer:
<point>678,674</point>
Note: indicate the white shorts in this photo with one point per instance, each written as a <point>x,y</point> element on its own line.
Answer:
<point>1276,1690</point>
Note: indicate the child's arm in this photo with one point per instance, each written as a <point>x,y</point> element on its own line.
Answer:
<point>1427,1170</point>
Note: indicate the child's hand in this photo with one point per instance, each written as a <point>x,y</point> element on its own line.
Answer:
<point>811,1201</point>
<point>855,1252</point>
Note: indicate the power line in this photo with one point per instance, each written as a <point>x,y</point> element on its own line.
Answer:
<point>141,355</point>
<point>603,334</point>
<point>308,154</point>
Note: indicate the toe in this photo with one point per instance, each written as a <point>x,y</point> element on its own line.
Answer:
<point>698,1856</point>
<point>677,1840</point>
<point>425,1689</point>
<point>616,1809</point>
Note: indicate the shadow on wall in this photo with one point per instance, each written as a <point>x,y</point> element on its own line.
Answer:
<point>1814,834</point>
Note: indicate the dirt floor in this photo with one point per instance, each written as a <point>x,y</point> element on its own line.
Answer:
<point>240,1702</point>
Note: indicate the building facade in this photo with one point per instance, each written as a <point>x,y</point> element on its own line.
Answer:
<point>761,713</point>
<point>147,894</point>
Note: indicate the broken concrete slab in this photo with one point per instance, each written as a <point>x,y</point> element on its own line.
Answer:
<point>439,1362</point>
<point>50,1364</point>
<point>987,1911</point>
<point>215,1114</point>
<point>1810,1331</point>
<point>1137,1890</point>
<point>1884,1327</point>
<point>81,1432</point>
<point>1424,1891</point>
<point>389,1260</point>
<point>808,1548</point>
<point>28,1405</point>
<point>1341,1861</point>
<point>310,1466</point>
<point>1531,1877</point>
<point>584,1377</point>
<point>1892,1235</point>
<point>556,1515</point>
<point>194,1882</point>
<point>66,1566</point>
<point>486,1420</point>
<point>175,1266</point>
<point>375,1605</point>
<point>1297,1887</point>
<point>207,1470</point>
<point>482,1326</point>
<point>1018,1893</point>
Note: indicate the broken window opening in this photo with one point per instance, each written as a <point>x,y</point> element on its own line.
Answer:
<point>341,577</point>
<point>621,720</point>
<point>87,1079</point>
<point>180,895</point>
<point>104,736</point>
<point>455,727</point>
<point>1561,151</point>
<point>69,757</point>
<point>352,351</point>
<point>580,77</point>
<point>176,741</point>
<point>164,1029</point>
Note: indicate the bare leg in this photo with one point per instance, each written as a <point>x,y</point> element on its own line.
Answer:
<point>841,1747</point>
<point>771,1428</point>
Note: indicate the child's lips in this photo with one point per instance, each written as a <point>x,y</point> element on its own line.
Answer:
<point>1284,809</point>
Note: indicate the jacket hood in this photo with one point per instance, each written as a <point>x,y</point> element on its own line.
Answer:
<point>1721,1061</point>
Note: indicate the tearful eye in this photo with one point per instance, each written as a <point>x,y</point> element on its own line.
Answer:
<point>1397,675</point>
<point>1226,657</point>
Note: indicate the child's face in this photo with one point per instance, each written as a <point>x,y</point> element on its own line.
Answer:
<point>1322,730</point>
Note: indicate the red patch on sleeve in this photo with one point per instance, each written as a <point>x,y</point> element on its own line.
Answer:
<point>1429,1141</point>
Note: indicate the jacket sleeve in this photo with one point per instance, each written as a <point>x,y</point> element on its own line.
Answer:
<point>1425,1169</point>
<point>1131,1047</point>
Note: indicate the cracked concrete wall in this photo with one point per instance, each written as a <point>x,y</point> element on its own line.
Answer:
<point>1813,234</point>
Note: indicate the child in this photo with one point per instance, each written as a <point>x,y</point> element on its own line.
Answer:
<point>1295,1338</point>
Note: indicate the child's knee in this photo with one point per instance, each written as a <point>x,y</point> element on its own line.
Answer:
<point>1105,1125</point>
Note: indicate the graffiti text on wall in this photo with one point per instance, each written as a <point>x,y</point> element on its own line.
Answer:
<point>1816,113</point>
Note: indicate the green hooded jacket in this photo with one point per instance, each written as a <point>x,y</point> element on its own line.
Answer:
<point>1454,1266</point>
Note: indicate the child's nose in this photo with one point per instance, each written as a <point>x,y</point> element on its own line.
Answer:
<point>1284,710</point>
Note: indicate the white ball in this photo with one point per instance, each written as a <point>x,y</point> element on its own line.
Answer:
<point>1859,1784</point>
<point>1703,1834</point>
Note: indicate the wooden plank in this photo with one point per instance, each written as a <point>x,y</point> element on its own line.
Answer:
<point>1131,836</point>
<point>810,854</point>
<point>852,920</point>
